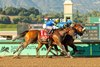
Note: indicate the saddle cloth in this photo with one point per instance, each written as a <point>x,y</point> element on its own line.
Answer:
<point>44,35</point>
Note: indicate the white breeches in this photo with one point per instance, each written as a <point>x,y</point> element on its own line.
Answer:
<point>49,27</point>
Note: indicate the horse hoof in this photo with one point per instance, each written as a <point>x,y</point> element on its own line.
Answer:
<point>48,56</point>
<point>16,57</point>
<point>71,57</point>
<point>37,56</point>
<point>14,52</point>
<point>68,57</point>
<point>1,57</point>
<point>55,54</point>
<point>61,54</point>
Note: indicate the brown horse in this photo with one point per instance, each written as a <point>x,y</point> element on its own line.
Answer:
<point>70,34</point>
<point>31,36</point>
<point>57,37</point>
<point>69,40</point>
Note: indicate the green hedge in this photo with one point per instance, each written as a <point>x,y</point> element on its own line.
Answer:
<point>8,27</point>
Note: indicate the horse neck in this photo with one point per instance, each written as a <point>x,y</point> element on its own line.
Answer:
<point>75,30</point>
<point>70,31</point>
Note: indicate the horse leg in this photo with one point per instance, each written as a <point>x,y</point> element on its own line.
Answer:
<point>74,48</point>
<point>62,49</point>
<point>56,49</point>
<point>17,49</point>
<point>47,46</point>
<point>37,49</point>
<point>48,50</point>
<point>68,53</point>
<point>21,48</point>
<point>66,48</point>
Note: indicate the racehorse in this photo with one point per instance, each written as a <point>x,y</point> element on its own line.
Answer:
<point>69,37</point>
<point>69,40</point>
<point>57,37</point>
<point>30,38</point>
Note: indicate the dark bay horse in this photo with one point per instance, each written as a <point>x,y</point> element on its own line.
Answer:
<point>69,40</point>
<point>57,37</point>
<point>70,33</point>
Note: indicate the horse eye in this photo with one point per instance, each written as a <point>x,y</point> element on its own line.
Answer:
<point>82,27</point>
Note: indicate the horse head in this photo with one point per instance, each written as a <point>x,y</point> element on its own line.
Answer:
<point>79,29</point>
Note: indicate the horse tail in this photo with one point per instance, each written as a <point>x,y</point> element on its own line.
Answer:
<point>20,35</point>
<point>23,33</point>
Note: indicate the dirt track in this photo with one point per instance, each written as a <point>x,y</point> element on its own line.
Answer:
<point>49,62</point>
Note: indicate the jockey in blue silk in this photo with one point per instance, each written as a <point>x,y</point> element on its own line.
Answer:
<point>69,22</point>
<point>64,24</point>
<point>61,24</point>
<point>50,25</point>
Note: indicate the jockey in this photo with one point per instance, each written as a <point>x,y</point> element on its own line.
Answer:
<point>50,25</point>
<point>68,22</point>
<point>61,24</point>
<point>64,24</point>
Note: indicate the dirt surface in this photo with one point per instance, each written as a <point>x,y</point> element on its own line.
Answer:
<point>49,62</point>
